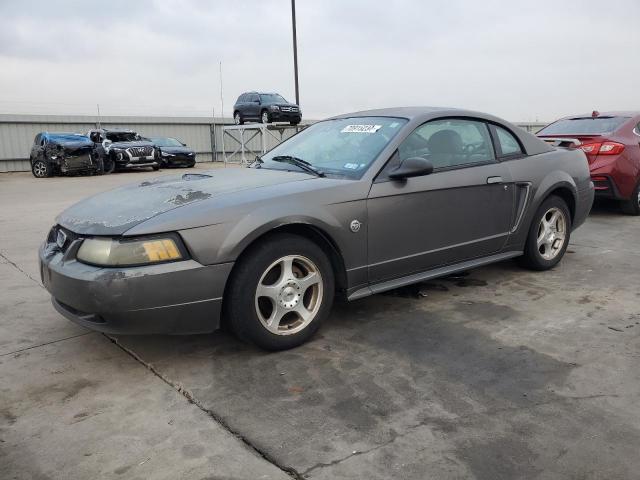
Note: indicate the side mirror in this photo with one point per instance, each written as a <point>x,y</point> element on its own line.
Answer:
<point>412,167</point>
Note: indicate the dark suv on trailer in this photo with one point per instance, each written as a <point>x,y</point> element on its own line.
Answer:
<point>265,108</point>
<point>120,149</point>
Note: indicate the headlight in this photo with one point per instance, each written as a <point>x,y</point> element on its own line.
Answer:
<point>164,154</point>
<point>107,252</point>
<point>274,107</point>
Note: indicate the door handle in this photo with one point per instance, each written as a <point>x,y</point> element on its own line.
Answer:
<point>494,180</point>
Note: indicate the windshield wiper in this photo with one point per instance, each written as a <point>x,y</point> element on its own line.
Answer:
<point>300,163</point>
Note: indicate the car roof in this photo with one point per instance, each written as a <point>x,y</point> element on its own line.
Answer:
<point>612,113</point>
<point>118,130</point>
<point>425,113</point>
<point>63,133</point>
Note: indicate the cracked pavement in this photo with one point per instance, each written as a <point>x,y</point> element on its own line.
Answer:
<point>500,374</point>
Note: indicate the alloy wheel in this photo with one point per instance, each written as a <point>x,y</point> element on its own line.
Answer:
<point>40,169</point>
<point>236,118</point>
<point>265,117</point>
<point>552,233</point>
<point>289,295</point>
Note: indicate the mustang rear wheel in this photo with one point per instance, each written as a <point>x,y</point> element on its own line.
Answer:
<point>280,292</point>
<point>548,235</point>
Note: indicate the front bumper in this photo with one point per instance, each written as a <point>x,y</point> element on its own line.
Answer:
<point>178,160</point>
<point>172,298</point>
<point>280,116</point>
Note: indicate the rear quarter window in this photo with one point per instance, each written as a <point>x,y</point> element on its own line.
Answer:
<point>508,144</point>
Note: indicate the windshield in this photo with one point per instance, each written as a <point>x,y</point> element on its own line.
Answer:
<point>166,142</point>
<point>342,147</point>
<point>272,98</point>
<point>584,126</point>
<point>69,138</point>
<point>122,136</point>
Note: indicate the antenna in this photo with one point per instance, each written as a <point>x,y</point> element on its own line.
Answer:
<point>99,119</point>
<point>221,96</point>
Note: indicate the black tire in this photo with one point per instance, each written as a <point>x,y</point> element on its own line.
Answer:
<point>632,206</point>
<point>41,169</point>
<point>191,165</point>
<point>237,118</point>
<point>533,257</point>
<point>262,117</point>
<point>109,165</point>
<point>294,123</point>
<point>156,168</point>
<point>240,308</point>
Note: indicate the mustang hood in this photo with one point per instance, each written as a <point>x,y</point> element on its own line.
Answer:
<point>116,211</point>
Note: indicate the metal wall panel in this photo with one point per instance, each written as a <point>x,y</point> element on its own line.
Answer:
<point>17,133</point>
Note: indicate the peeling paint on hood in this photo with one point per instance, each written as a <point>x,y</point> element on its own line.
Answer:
<point>116,211</point>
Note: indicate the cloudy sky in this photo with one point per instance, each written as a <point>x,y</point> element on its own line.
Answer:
<point>522,60</point>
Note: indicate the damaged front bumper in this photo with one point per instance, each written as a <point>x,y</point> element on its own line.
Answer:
<point>172,298</point>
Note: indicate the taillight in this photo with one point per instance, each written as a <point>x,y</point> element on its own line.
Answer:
<point>606,148</point>
<point>590,148</point>
<point>611,148</point>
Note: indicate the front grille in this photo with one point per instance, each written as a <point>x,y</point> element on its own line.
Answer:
<point>60,238</point>
<point>289,109</point>
<point>140,151</point>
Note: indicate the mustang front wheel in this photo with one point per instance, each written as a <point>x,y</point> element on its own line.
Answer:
<point>280,292</point>
<point>549,235</point>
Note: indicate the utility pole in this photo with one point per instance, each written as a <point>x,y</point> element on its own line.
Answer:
<point>221,96</point>
<point>295,49</point>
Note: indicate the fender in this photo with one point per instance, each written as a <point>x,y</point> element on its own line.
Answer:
<point>225,242</point>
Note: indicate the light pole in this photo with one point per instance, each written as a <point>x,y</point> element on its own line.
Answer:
<point>295,49</point>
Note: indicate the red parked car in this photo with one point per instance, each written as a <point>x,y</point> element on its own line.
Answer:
<point>611,141</point>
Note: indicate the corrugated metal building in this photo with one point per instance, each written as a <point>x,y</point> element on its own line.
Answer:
<point>202,134</point>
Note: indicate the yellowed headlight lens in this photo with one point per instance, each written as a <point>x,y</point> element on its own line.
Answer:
<point>161,250</point>
<point>112,252</point>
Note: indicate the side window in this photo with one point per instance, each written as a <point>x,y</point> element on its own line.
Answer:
<point>508,143</point>
<point>95,137</point>
<point>43,140</point>
<point>36,141</point>
<point>254,97</point>
<point>449,142</point>
<point>243,98</point>
<point>637,129</point>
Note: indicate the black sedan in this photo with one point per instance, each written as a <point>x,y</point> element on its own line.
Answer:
<point>173,153</point>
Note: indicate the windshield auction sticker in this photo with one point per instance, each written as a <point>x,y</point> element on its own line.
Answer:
<point>361,128</point>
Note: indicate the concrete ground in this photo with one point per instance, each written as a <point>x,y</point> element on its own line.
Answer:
<point>498,374</point>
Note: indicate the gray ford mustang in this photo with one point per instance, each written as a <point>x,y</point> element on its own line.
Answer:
<point>353,205</point>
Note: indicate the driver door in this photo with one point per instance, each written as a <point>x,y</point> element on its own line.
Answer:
<point>463,210</point>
